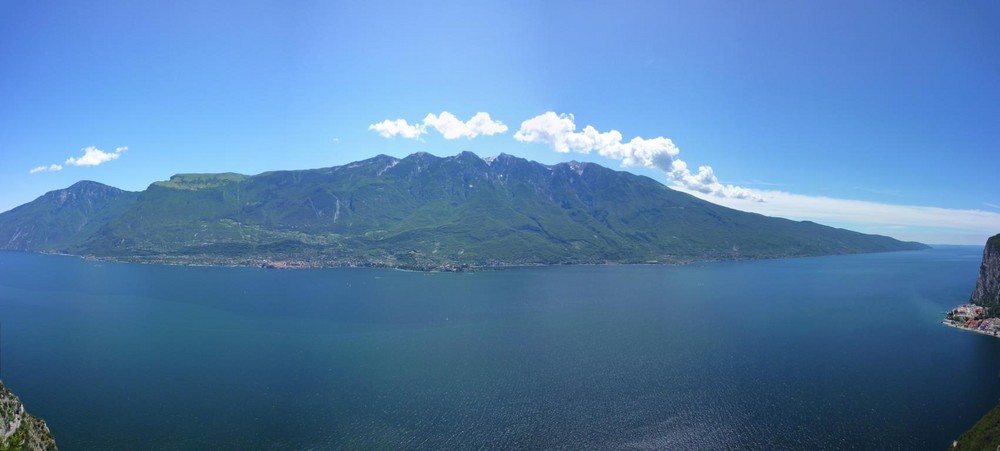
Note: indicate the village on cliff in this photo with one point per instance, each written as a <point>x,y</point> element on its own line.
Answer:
<point>974,318</point>
<point>982,313</point>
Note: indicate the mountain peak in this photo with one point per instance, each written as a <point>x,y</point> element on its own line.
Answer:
<point>380,159</point>
<point>60,218</point>
<point>89,184</point>
<point>84,190</point>
<point>469,158</point>
<point>421,156</point>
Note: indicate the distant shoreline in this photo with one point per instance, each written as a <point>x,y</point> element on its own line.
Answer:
<point>250,262</point>
<point>334,264</point>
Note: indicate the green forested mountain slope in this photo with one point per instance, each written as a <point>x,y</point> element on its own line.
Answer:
<point>421,211</point>
<point>63,219</point>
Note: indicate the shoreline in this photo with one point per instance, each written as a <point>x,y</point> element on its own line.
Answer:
<point>388,263</point>
<point>969,329</point>
<point>334,264</point>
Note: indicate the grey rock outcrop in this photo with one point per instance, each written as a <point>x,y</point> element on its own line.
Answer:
<point>987,291</point>
<point>19,430</point>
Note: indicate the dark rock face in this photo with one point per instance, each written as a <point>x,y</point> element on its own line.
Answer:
<point>18,429</point>
<point>987,291</point>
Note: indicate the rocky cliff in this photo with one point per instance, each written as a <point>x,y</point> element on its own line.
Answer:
<point>987,291</point>
<point>19,430</point>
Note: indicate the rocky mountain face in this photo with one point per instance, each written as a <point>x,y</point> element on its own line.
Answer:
<point>987,292</point>
<point>418,212</point>
<point>19,430</point>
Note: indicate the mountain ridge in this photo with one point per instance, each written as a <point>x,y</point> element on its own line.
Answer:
<point>418,212</point>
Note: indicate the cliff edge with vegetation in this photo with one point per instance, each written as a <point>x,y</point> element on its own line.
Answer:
<point>19,430</point>
<point>985,434</point>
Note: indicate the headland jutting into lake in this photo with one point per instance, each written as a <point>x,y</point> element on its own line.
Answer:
<point>973,318</point>
<point>982,315</point>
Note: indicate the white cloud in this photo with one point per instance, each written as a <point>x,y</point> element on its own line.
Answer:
<point>52,168</point>
<point>706,182</point>
<point>906,222</point>
<point>449,126</point>
<point>92,156</point>
<point>918,223</point>
<point>398,127</point>
<point>558,131</point>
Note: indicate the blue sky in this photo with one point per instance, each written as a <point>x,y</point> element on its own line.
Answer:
<point>877,116</point>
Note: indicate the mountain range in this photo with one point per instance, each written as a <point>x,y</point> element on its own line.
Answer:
<point>418,212</point>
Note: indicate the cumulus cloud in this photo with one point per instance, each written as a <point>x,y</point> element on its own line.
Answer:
<point>919,223</point>
<point>49,168</point>
<point>449,126</point>
<point>398,127</point>
<point>558,131</point>
<point>92,156</point>
<point>706,182</point>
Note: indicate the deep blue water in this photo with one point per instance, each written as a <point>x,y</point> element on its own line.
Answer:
<point>814,353</point>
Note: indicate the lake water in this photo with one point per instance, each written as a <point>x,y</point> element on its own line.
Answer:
<point>812,353</point>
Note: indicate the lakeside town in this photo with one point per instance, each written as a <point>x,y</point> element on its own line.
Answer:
<point>973,318</point>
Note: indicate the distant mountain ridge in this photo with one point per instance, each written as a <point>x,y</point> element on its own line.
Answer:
<point>422,212</point>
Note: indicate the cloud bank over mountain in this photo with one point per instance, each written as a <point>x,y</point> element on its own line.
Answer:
<point>558,131</point>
